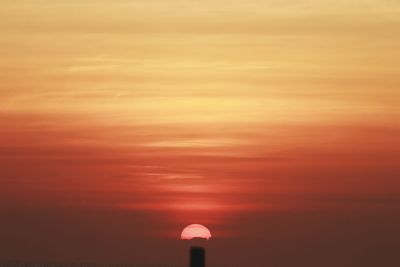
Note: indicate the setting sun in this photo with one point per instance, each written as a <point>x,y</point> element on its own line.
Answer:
<point>195,231</point>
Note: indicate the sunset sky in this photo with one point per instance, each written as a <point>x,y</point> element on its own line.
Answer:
<point>276,123</point>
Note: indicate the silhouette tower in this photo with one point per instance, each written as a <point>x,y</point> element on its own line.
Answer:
<point>197,257</point>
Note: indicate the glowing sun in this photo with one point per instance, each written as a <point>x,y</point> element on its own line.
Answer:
<point>195,231</point>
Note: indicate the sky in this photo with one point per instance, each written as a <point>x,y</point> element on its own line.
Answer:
<point>275,123</point>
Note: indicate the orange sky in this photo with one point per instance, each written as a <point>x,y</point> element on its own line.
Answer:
<point>273,122</point>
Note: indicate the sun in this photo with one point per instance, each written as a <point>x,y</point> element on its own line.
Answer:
<point>195,231</point>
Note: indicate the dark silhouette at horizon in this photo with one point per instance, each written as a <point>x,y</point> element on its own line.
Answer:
<point>197,257</point>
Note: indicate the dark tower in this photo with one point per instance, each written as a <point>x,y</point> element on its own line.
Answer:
<point>197,257</point>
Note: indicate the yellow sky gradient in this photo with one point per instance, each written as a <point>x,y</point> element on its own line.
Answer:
<point>337,56</point>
